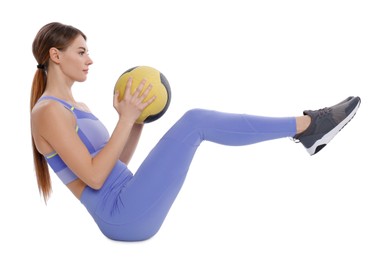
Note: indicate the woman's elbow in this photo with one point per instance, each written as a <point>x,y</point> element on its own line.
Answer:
<point>95,183</point>
<point>95,186</point>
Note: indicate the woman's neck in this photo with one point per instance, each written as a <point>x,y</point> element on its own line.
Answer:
<point>59,85</point>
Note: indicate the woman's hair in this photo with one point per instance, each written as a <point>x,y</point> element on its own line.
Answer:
<point>52,35</point>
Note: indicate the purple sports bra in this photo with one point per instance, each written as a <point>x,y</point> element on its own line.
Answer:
<point>90,130</point>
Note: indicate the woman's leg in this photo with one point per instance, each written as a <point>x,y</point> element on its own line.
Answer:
<point>148,197</point>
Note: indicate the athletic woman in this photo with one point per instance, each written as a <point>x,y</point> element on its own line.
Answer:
<point>92,163</point>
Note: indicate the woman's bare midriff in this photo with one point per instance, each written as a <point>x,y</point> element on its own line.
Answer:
<point>76,187</point>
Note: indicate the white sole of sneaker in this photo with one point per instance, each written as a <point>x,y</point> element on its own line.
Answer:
<point>331,134</point>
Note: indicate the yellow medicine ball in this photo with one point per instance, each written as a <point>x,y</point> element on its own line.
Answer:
<point>160,88</point>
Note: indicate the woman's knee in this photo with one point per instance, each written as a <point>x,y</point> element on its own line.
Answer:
<point>188,127</point>
<point>196,115</point>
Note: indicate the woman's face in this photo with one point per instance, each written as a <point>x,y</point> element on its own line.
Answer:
<point>75,60</point>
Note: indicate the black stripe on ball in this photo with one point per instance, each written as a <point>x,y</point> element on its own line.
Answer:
<point>165,83</point>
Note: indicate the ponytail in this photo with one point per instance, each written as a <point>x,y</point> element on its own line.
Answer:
<point>40,163</point>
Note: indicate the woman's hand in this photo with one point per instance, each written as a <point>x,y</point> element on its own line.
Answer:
<point>131,105</point>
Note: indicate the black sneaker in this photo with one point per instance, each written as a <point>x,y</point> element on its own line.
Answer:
<point>326,123</point>
<point>345,100</point>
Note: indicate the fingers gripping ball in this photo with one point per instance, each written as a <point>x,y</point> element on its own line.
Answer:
<point>160,89</point>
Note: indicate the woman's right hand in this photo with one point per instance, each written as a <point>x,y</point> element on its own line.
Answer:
<point>131,105</point>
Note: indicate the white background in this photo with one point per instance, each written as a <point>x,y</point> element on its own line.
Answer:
<point>266,201</point>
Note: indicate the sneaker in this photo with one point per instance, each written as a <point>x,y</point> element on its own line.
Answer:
<point>326,123</point>
<point>345,100</point>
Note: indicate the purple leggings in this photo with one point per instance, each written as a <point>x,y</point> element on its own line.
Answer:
<point>133,207</point>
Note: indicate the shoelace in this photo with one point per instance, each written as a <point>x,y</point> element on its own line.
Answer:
<point>324,111</point>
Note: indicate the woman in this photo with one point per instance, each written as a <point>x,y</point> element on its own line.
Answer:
<point>92,163</point>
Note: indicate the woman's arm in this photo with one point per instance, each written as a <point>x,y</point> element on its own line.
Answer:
<point>56,126</point>
<point>131,145</point>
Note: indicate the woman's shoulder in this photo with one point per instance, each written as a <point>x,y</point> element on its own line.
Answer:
<point>45,107</point>
<point>48,111</point>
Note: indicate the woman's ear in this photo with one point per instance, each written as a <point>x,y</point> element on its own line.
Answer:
<point>54,55</point>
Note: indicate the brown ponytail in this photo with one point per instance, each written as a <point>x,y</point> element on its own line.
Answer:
<point>51,35</point>
<point>40,163</point>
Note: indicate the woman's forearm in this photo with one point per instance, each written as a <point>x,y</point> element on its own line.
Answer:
<point>130,146</point>
<point>106,159</point>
